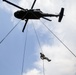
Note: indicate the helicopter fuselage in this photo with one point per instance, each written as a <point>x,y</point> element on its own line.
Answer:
<point>25,14</point>
<point>31,14</point>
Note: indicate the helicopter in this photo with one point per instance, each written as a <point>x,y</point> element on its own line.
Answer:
<point>26,14</point>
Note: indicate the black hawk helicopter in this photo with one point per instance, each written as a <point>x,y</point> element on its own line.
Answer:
<point>25,14</point>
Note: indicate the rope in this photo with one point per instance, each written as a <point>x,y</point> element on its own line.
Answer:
<point>37,38</point>
<point>9,32</point>
<point>60,41</point>
<point>43,68</point>
<point>24,52</point>
<point>40,47</point>
<point>57,37</point>
<point>12,29</point>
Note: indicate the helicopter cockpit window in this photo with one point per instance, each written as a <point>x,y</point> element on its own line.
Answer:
<point>38,10</point>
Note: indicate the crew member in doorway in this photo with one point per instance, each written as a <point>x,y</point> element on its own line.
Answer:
<point>42,56</point>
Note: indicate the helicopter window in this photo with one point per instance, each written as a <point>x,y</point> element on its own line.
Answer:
<point>36,9</point>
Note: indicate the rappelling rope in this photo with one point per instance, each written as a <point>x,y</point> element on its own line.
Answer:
<point>57,37</point>
<point>24,52</point>
<point>24,45</point>
<point>43,68</point>
<point>37,38</point>
<point>40,47</point>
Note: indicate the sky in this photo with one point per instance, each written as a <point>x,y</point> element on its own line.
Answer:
<point>12,48</point>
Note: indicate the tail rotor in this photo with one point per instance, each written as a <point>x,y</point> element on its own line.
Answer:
<point>61,14</point>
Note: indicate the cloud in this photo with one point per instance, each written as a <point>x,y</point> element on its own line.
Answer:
<point>63,62</point>
<point>3,5</point>
<point>33,72</point>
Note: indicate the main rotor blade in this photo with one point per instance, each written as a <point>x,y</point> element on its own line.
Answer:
<point>33,4</point>
<point>14,4</point>
<point>25,25</point>
<point>46,19</point>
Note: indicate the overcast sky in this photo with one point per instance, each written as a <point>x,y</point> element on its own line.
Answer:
<point>11,49</point>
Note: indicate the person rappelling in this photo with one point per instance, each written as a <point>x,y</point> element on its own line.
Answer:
<point>42,56</point>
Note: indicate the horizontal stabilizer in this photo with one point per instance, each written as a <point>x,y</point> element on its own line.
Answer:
<point>46,19</point>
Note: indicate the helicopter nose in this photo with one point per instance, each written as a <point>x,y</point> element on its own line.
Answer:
<point>17,14</point>
<point>20,14</point>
